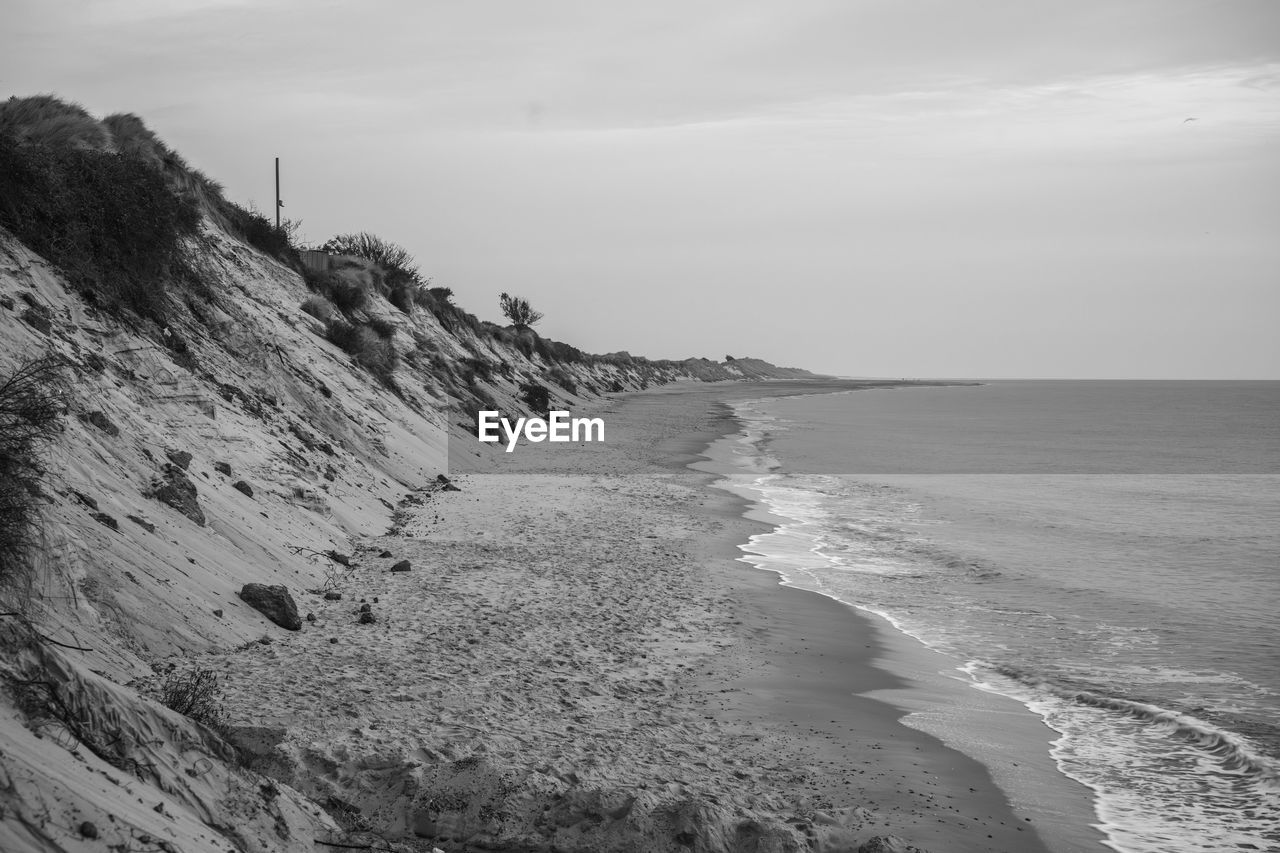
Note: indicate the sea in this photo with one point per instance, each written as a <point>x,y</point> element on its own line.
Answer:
<point>1107,553</point>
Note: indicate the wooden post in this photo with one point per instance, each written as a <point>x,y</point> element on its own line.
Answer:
<point>278,204</point>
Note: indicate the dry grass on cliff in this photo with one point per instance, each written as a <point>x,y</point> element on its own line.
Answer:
<point>33,403</point>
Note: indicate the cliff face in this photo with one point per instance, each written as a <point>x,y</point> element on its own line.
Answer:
<point>241,440</point>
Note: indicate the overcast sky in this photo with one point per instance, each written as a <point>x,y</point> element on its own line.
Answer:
<point>859,187</point>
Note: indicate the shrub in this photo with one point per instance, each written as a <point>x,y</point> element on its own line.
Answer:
<point>33,403</point>
<point>563,379</point>
<point>403,295</point>
<point>374,353</point>
<point>518,311</point>
<point>556,351</point>
<point>347,296</point>
<point>383,328</point>
<point>263,235</point>
<point>198,695</point>
<point>477,367</point>
<point>536,397</point>
<point>395,259</point>
<point>320,308</point>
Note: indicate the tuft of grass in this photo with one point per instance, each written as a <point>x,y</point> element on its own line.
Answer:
<point>33,405</point>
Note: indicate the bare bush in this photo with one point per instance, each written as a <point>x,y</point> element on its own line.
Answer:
<point>518,310</point>
<point>196,694</point>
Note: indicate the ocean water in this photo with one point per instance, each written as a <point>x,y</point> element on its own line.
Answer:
<point>1107,553</point>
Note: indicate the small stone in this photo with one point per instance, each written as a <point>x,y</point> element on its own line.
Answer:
<point>331,473</point>
<point>311,617</point>
<point>242,486</point>
<point>143,523</point>
<point>218,613</point>
<point>265,640</point>
<point>333,640</point>
<point>104,519</point>
<point>339,558</point>
<point>91,503</point>
<point>450,487</point>
<point>222,468</point>
<point>366,619</point>
<point>365,608</point>
<point>402,566</point>
<point>102,422</point>
<point>385,554</point>
<point>88,829</point>
<point>333,596</point>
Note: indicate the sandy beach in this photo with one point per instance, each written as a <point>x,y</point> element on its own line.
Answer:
<point>576,660</point>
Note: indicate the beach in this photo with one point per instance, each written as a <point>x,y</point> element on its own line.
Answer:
<point>577,660</point>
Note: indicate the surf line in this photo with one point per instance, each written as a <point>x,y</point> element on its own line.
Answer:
<point>557,426</point>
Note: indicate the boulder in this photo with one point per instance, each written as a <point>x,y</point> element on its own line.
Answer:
<point>37,320</point>
<point>402,566</point>
<point>274,602</point>
<point>180,493</point>
<point>243,487</point>
<point>181,458</point>
<point>222,468</point>
<point>106,520</point>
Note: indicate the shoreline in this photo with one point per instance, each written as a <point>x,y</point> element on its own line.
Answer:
<point>841,678</point>
<point>578,660</point>
<point>931,699</point>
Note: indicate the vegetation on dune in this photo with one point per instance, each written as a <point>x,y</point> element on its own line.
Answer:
<point>198,695</point>
<point>111,205</point>
<point>108,221</point>
<point>49,121</point>
<point>394,259</point>
<point>33,403</point>
<point>536,397</point>
<point>369,349</point>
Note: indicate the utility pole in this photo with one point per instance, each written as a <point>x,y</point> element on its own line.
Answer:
<point>279,203</point>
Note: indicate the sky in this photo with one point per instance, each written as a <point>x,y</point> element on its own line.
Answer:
<point>893,188</point>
